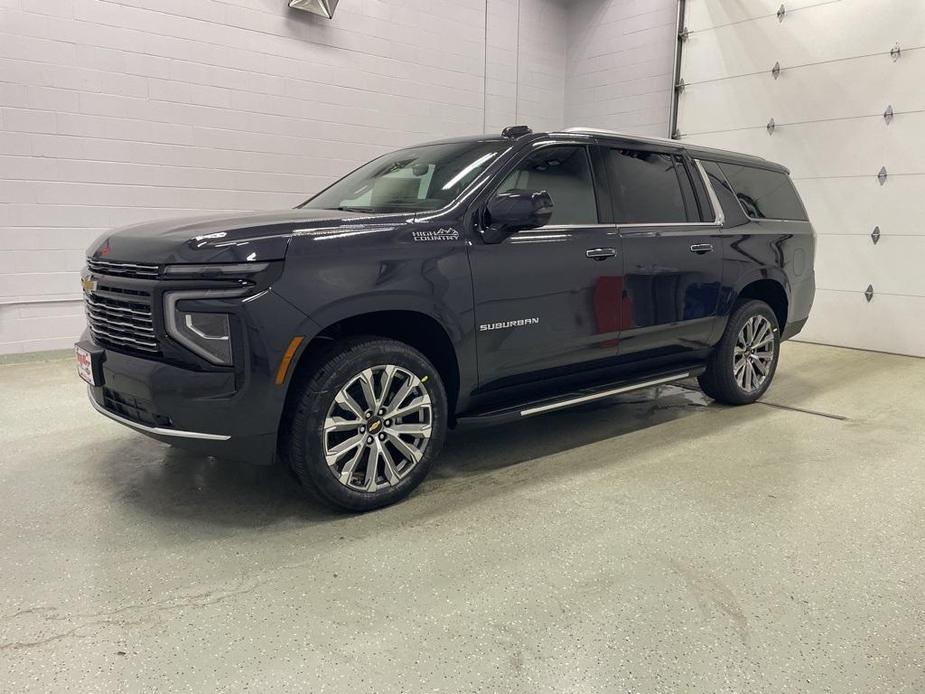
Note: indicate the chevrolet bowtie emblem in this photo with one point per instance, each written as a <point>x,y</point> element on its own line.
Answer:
<point>88,284</point>
<point>375,426</point>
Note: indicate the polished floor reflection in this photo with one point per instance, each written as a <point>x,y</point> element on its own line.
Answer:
<point>655,539</point>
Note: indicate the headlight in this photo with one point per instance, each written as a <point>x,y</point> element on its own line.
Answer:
<point>206,334</point>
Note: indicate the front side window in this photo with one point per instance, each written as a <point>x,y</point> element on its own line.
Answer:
<point>645,187</point>
<point>764,194</point>
<point>418,178</point>
<point>565,173</point>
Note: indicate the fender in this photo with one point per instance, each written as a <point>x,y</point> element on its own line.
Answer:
<point>731,291</point>
<point>461,337</point>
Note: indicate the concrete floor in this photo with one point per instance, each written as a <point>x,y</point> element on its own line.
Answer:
<point>660,545</point>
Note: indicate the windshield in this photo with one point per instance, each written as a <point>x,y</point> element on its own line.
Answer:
<point>418,178</point>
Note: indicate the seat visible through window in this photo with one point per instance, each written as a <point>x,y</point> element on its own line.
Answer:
<point>565,173</point>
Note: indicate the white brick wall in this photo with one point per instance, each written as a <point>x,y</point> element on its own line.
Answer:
<point>116,111</point>
<point>620,64</point>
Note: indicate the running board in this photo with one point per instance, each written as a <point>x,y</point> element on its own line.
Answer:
<point>580,397</point>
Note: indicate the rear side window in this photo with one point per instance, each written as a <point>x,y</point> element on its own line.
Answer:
<point>727,199</point>
<point>764,194</point>
<point>565,173</point>
<point>645,187</point>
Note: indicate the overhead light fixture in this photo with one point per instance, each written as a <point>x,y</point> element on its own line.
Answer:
<point>323,7</point>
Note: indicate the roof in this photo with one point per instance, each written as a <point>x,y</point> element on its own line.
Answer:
<point>695,150</point>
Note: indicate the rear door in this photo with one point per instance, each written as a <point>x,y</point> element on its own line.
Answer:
<point>548,299</point>
<point>672,254</point>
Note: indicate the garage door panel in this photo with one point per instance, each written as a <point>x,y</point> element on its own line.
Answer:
<point>889,323</point>
<point>706,15</point>
<point>837,78</point>
<point>815,92</point>
<point>851,147</point>
<point>804,37</point>
<point>857,205</point>
<point>893,266</point>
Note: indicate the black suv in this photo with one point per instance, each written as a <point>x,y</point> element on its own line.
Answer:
<point>479,279</point>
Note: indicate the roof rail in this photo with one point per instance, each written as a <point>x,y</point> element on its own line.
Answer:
<point>663,141</point>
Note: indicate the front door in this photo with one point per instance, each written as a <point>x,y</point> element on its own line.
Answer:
<point>672,257</point>
<point>549,298</point>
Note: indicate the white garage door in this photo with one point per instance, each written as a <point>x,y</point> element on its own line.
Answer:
<point>836,80</point>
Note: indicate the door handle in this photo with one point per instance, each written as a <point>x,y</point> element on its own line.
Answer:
<point>600,253</point>
<point>701,248</point>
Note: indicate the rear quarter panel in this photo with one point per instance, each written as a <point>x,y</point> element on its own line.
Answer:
<point>769,249</point>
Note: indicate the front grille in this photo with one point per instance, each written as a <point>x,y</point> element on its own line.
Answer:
<point>120,269</point>
<point>134,409</point>
<point>122,318</point>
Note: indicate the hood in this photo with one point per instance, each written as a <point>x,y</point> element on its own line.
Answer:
<point>237,237</point>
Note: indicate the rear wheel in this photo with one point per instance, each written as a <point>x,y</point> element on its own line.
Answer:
<point>742,365</point>
<point>367,424</point>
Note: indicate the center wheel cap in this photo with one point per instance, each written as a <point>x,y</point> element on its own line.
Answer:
<point>375,425</point>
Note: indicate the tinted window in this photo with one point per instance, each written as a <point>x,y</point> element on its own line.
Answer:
<point>764,194</point>
<point>727,199</point>
<point>564,173</point>
<point>645,187</point>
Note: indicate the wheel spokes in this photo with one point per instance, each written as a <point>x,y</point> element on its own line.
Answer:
<point>369,462</point>
<point>333,454</point>
<point>418,429</point>
<point>405,448</point>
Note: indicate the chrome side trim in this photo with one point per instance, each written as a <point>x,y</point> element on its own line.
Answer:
<point>667,224</point>
<point>160,431</point>
<point>603,394</point>
<point>719,217</point>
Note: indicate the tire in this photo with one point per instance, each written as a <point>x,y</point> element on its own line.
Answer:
<point>330,412</point>
<point>734,369</point>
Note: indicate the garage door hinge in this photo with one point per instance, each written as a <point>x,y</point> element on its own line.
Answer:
<point>888,114</point>
<point>896,52</point>
<point>875,235</point>
<point>780,13</point>
<point>869,292</point>
<point>881,175</point>
<point>771,127</point>
<point>775,71</point>
<point>684,34</point>
<point>679,87</point>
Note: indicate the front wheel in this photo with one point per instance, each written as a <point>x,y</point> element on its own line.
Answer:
<point>366,424</point>
<point>742,365</point>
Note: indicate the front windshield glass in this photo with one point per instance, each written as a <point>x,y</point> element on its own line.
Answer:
<point>417,178</point>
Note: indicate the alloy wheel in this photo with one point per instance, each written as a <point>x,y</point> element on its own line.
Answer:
<point>377,428</point>
<point>754,353</point>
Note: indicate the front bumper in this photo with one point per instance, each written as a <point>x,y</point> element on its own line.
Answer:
<point>226,413</point>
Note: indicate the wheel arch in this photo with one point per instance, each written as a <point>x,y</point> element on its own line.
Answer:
<point>773,293</point>
<point>418,329</point>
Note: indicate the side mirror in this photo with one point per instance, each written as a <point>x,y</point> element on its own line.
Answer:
<point>516,210</point>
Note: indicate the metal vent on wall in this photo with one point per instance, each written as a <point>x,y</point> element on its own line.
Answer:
<point>325,8</point>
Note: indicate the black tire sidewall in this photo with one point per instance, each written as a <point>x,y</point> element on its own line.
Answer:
<point>306,451</point>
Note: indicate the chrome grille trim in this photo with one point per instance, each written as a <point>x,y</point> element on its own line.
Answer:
<point>124,322</point>
<point>120,269</point>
